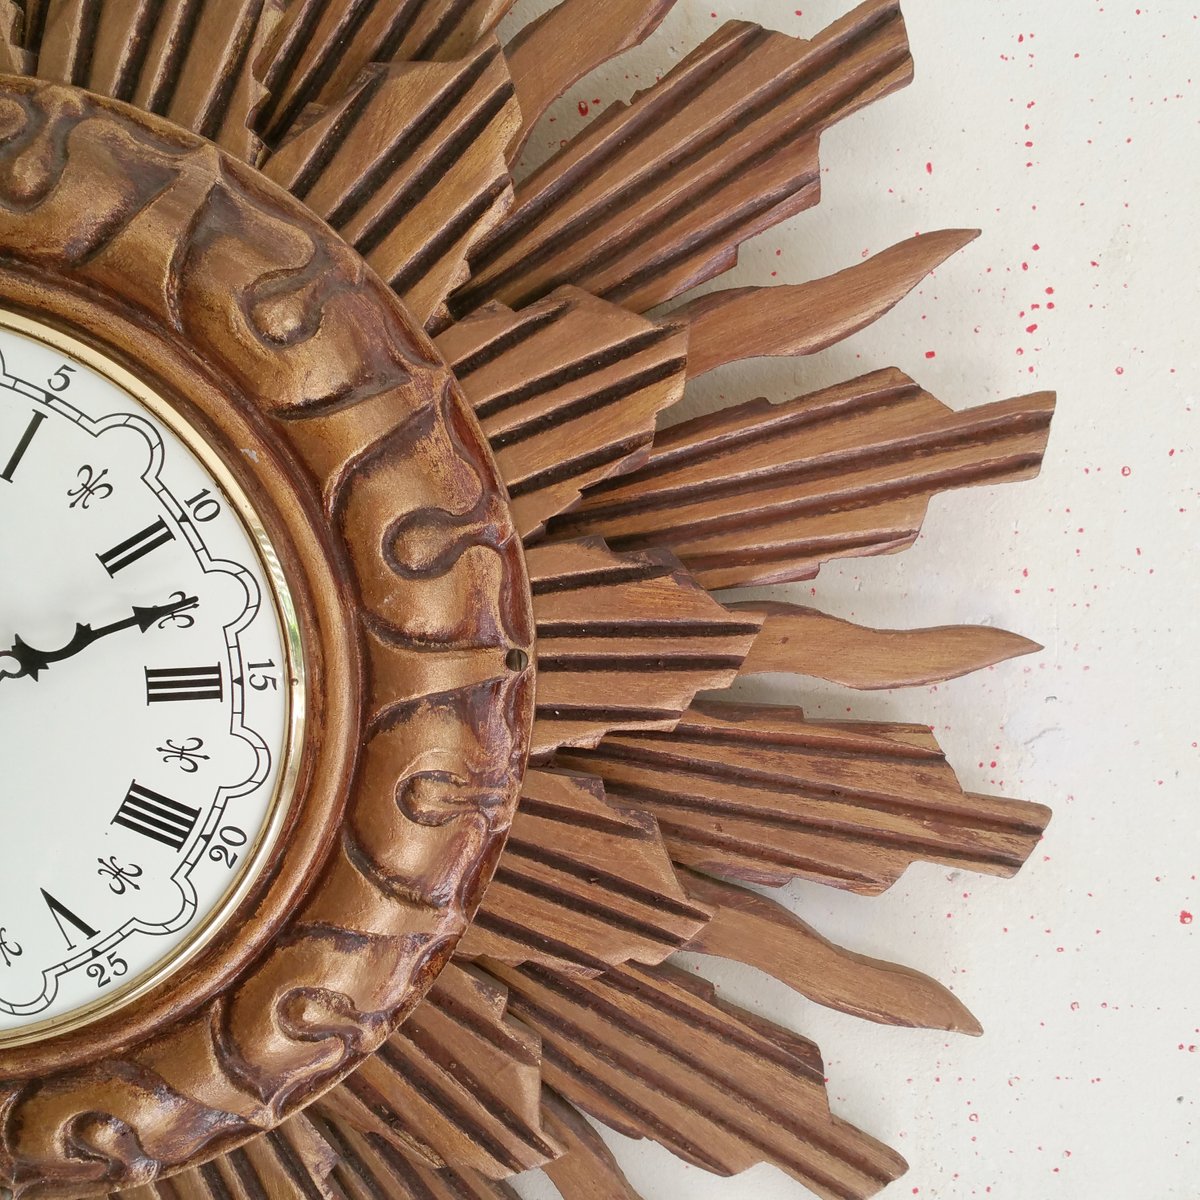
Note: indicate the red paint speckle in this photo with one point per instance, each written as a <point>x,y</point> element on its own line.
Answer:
<point>931,354</point>
<point>584,109</point>
<point>929,168</point>
<point>1185,917</point>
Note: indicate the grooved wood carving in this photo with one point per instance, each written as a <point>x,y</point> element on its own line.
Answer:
<point>587,1169</point>
<point>765,493</point>
<point>759,793</point>
<point>567,391</point>
<point>336,377</point>
<point>655,197</point>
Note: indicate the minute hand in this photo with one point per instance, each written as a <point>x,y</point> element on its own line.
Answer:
<point>32,662</point>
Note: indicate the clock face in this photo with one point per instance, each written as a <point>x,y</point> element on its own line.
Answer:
<point>150,687</point>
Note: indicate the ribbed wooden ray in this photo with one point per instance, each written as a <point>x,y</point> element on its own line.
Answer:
<point>567,391</point>
<point>749,928</point>
<point>457,1085</point>
<point>651,1052</point>
<point>583,885</point>
<point>625,641</point>
<point>292,1162</point>
<point>758,793</point>
<point>14,59</point>
<point>320,47</point>
<point>587,1170</point>
<point>765,493</point>
<point>409,168</point>
<point>655,196</point>
<point>189,60</point>
<point>804,641</point>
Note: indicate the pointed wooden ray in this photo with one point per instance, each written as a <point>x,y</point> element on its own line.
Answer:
<point>567,391</point>
<point>804,318</point>
<point>372,1168</point>
<point>655,196</point>
<point>588,1170</point>
<point>566,43</point>
<point>409,168</point>
<point>624,642</point>
<point>758,793</point>
<point>292,1162</point>
<point>583,885</point>
<point>14,59</point>
<point>749,928</point>
<point>318,50</point>
<point>765,493</point>
<point>807,642</point>
<point>652,1053</point>
<point>192,63</point>
<point>458,1085</point>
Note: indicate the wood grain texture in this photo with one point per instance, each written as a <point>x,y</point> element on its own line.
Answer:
<point>235,296</point>
<point>651,1052</point>
<point>187,61</point>
<point>14,58</point>
<point>583,885</point>
<point>624,642</point>
<point>409,168</point>
<point>803,641</point>
<point>765,493</point>
<point>587,1169</point>
<point>751,929</point>
<point>803,318</point>
<point>567,391</point>
<point>458,1086</point>
<point>317,51</point>
<point>655,196</point>
<point>566,43</point>
<point>758,793</point>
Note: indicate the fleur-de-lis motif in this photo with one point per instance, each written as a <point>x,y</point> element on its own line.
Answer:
<point>180,615</point>
<point>186,754</point>
<point>91,487</point>
<point>9,950</point>
<point>120,878</point>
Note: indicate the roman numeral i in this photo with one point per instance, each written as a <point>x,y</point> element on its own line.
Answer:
<point>166,685</point>
<point>128,552</point>
<point>157,817</point>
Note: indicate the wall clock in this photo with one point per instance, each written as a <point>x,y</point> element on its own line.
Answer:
<point>360,668</point>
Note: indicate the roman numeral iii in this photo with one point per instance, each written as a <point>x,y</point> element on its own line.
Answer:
<point>128,552</point>
<point>183,683</point>
<point>157,817</point>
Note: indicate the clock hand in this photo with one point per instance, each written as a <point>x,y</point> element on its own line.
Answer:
<point>32,662</point>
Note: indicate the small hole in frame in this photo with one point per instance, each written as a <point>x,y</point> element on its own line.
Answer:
<point>516,660</point>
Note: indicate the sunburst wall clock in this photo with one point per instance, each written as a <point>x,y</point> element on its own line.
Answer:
<point>364,753</point>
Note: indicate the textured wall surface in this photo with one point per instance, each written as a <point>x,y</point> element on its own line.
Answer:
<point>1068,133</point>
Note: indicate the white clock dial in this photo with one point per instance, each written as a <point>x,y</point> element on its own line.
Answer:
<point>149,685</point>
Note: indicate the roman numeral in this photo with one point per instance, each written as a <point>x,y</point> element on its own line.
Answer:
<point>157,817</point>
<point>183,683</point>
<point>136,547</point>
<point>22,446</point>
<point>60,912</point>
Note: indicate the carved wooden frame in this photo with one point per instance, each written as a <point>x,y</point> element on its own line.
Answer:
<point>233,301</point>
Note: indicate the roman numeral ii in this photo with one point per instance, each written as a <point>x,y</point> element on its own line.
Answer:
<point>128,552</point>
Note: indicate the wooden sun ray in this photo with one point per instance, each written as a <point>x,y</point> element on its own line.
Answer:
<point>759,793</point>
<point>191,62</point>
<point>587,1169</point>
<point>584,885</point>
<point>765,493</point>
<point>655,196</point>
<point>458,1084</point>
<point>14,58</point>
<point>651,1052</point>
<point>567,391</point>
<point>624,642</point>
<point>409,168</point>
<point>318,50</point>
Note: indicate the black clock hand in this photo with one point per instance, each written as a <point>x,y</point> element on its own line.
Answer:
<point>32,662</point>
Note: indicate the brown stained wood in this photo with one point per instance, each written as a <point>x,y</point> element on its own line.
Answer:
<point>588,1170</point>
<point>803,318</point>
<point>583,885</point>
<point>624,642</point>
<point>749,928</point>
<point>758,793</point>
<point>190,63</point>
<point>569,41</point>
<point>459,1085</point>
<point>807,642</point>
<point>14,58</point>
<point>409,168</point>
<point>655,196</point>
<point>316,53</point>
<point>567,391</point>
<point>765,493</point>
<point>651,1052</point>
